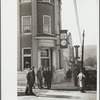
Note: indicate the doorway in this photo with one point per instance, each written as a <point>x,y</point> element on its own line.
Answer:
<point>45,58</point>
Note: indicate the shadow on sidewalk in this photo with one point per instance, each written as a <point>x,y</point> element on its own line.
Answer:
<point>65,89</point>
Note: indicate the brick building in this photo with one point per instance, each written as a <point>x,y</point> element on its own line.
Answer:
<point>39,24</point>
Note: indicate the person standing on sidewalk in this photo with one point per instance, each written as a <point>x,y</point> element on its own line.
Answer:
<point>44,76</point>
<point>29,86</point>
<point>76,71</point>
<point>81,77</point>
<point>68,75</point>
<point>39,78</point>
<point>48,78</point>
<point>33,73</point>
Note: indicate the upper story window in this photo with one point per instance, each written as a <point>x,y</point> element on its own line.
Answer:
<point>46,0</point>
<point>46,24</point>
<point>26,24</point>
<point>25,1</point>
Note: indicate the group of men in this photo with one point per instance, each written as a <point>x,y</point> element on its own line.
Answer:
<point>44,76</point>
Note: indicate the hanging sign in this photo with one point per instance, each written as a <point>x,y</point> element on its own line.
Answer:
<point>63,39</point>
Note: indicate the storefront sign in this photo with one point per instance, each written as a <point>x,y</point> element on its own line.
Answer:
<point>44,53</point>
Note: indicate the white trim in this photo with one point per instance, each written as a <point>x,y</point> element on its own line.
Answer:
<point>49,23</point>
<point>47,1</point>
<point>28,55</point>
<point>22,1</point>
<point>26,34</point>
<point>22,24</point>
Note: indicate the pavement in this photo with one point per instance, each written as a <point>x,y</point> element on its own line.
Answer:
<point>64,90</point>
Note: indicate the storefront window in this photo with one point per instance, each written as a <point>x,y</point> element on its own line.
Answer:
<point>26,61</point>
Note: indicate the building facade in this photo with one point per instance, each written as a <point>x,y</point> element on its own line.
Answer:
<point>39,24</point>
<point>68,54</point>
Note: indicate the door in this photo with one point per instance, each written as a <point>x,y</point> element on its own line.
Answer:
<point>45,58</point>
<point>45,63</point>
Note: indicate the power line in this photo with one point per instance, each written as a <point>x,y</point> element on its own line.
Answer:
<point>77,19</point>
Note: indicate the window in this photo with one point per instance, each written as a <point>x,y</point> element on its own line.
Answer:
<point>26,24</point>
<point>46,0</point>
<point>25,0</point>
<point>46,24</point>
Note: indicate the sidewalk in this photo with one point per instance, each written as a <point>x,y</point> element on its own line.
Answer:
<point>68,86</point>
<point>64,90</point>
<point>46,94</point>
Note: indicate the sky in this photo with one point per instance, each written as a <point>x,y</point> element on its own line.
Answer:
<point>88,13</point>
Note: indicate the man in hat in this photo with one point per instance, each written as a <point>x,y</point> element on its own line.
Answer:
<point>29,86</point>
<point>48,78</point>
<point>33,74</point>
<point>39,77</point>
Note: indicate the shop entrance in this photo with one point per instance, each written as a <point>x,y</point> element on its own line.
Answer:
<point>45,58</point>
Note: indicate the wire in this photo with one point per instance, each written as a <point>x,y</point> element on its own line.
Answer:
<point>77,19</point>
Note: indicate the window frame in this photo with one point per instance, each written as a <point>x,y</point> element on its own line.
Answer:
<point>49,23</point>
<point>22,17</point>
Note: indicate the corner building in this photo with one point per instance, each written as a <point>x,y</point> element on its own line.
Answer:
<point>39,24</point>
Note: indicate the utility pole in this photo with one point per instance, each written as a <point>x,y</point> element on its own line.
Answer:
<point>82,50</point>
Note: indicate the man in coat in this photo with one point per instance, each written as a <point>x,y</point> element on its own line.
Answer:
<point>33,74</point>
<point>48,78</point>
<point>44,76</point>
<point>39,77</point>
<point>29,86</point>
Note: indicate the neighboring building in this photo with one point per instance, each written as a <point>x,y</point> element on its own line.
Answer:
<point>39,24</point>
<point>68,54</point>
